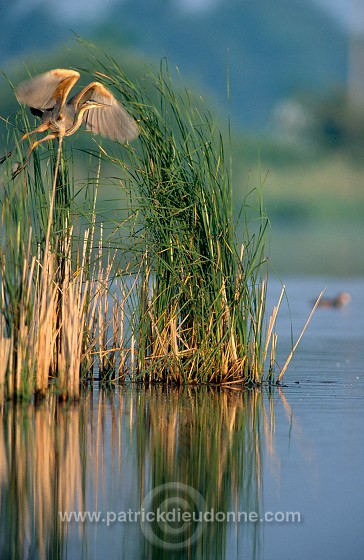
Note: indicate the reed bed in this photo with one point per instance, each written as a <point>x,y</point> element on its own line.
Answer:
<point>176,299</point>
<point>201,315</point>
<point>59,323</point>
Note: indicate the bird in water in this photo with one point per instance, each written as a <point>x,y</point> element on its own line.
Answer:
<point>46,95</point>
<point>342,299</point>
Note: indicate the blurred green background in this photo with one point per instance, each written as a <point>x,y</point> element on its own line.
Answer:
<point>295,100</point>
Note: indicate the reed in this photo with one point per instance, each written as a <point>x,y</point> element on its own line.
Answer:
<point>51,284</point>
<point>173,293</point>
<point>201,315</point>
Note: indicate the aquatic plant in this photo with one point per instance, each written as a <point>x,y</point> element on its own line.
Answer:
<point>201,314</point>
<point>171,294</point>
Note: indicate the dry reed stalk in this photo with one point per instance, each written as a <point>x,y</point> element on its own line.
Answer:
<point>116,339</point>
<point>119,330</point>
<point>106,355</point>
<point>5,350</point>
<point>102,305</point>
<point>72,333</point>
<point>22,362</point>
<point>271,336</point>
<point>273,351</point>
<point>132,358</point>
<point>257,317</point>
<point>104,344</point>
<point>174,338</point>
<point>229,326</point>
<point>95,313</point>
<point>83,265</point>
<point>290,356</point>
<point>73,291</point>
<point>159,345</point>
<point>90,340</point>
<point>6,345</point>
<point>272,322</point>
<point>103,312</point>
<point>45,307</point>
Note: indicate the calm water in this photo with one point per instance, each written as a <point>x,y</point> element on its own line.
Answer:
<point>215,473</point>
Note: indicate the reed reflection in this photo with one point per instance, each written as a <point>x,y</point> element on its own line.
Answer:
<point>119,451</point>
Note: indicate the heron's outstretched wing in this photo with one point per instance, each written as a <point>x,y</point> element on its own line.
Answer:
<point>45,90</point>
<point>111,120</point>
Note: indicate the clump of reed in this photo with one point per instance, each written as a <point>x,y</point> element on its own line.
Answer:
<point>57,321</point>
<point>176,299</point>
<point>201,314</point>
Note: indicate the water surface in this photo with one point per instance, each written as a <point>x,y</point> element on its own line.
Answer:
<point>261,474</point>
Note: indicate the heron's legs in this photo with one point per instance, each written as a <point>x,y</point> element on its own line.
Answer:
<point>30,149</point>
<point>41,128</point>
<point>37,142</point>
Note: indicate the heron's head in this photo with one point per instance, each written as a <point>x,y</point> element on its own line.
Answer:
<point>91,104</point>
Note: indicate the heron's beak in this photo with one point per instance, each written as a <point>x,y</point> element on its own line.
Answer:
<point>97,104</point>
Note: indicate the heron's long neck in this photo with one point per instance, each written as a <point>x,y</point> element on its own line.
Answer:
<point>81,112</point>
<point>74,119</point>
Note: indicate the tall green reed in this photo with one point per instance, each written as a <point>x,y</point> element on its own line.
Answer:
<point>201,315</point>
<point>54,297</point>
<point>175,292</point>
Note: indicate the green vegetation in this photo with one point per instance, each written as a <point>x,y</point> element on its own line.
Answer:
<point>314,198</point>
<point>165,294</point>
<point>202,302</point>
<point>275,51</point>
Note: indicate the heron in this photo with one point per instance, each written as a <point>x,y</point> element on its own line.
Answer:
<point>46,95</point>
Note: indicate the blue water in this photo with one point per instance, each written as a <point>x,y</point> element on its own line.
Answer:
<point>298,448</point>
<point>321,461</point>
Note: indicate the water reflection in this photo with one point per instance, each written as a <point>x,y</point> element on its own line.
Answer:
<point>120,454</point>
